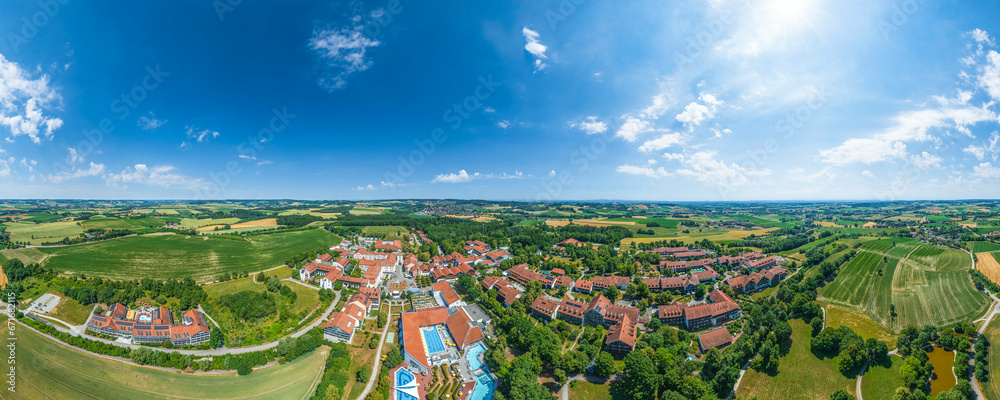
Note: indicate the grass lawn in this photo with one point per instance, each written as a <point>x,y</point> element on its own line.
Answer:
<point>50,371</point>
<point>170,256</point>
<point>390,232</point>
<point>361,358</point>
<point>860,322</point>
<point>71,311</point>
<point>801,374</point>
<point>583,390</point>
<point>881,380</point>
<point>307,300</point>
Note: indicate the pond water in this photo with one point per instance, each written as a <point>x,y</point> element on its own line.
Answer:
<point>943,378</point>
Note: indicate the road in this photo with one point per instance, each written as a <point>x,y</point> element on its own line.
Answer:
<point>378,356</point>
<point>77,331</point>
<point>995,309</point>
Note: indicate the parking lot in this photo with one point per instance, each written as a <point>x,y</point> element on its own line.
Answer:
<point>45,304</point>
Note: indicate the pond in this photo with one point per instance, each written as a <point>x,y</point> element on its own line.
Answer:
<point>943,378</point>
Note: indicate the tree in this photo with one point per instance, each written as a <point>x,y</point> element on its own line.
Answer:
<point>612,293</point>
<point>560,376</point>
<point>817,325</point>
<point>699,291</point>
<point>841,395</point>
<point>641,379</point>
<point>604,365</point>
<point>363,375</point>
<point>215,339</point>
<point>654,324</point>
<point>783,331</point>
<point>274,284</point>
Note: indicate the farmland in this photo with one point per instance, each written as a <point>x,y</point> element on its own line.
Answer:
<point>930,287</point>
<point>48,370</point>
<point>982,247</point>
<point>45,232</point>
<point>102,222</point>
<point>989,265</point>
<point>801,373</point>
<point>172,256</point>
<point>991,388</point>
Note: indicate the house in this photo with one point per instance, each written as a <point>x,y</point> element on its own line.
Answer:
<point>571,311</point>
<point>722,309</point>
<point>416,324</point>
<point>604,282</point>
<point>621,335</point>
<point>558,271</point>
<point>445,294</point>
<point>583,286</point>
<point>374,296</point>
<point>601,311</point>
<point>757,281</point>
<point>679,284</point>
<point>389,245</point>
<point>151,325</point>
<point>344,324</point>
<point>715,339</point>
<point>544,308</point>
<point>505,291</point>
<point>763,263</point>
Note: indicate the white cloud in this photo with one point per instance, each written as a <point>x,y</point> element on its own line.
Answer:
<point>74,173</point>
<point>247,157</point>
<point>696,113</point>
<point>662,142</point>
<point>149,122</point>
<point>981,37</point>
<point>74,157</point>
<point>490,110</point>
<point>552,173</point>
<point>632,128</point>
<point>344,51</point>
<point>201,135</point>
<point>986,171</point>
<point>370,187</point>
<point>989,79</point>
<point>864,150</point>
<point>503,124</point>
<point>703,167</point>
<point>536,48</point>
<point>160,176</point>
<point>590,125</point>
<point>22,102</point>
<point>720,132</point>
<point>646,171</point>
<point>926,160</point>
<point>463,176</point>
<point>661,104</point>
<point>265,162</point>
<point>869,174</point>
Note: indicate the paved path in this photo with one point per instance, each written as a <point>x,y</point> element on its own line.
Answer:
<point>212,352</point>
<point>994,310</point>
<point>378,357</point>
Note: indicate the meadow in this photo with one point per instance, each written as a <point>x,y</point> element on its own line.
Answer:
<point>982,247</point>
<point>102,222</point>
<point>37,234</point>
<point>881,380</point>
<point>172,256</point>
<point>941,259</point>
<point>860,322</point>
<point>390,232</point>
<point>853,283</point>
<point>801,373</point>
<point>49,371</point>
<point>991,388</point>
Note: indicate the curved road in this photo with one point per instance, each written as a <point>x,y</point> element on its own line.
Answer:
<point>213,352</point>
<point>378,356</point>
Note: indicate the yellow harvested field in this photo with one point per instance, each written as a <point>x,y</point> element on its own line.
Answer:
<point>968,224</point>
<point>869,225</point>
<point>484,219</point>
<point>989,266</point>
<point>3,278</point>
<point>556,223</point>
<point>735,234</point>
<point>828,224</point>
<point>460,216</point>
<point>260,223</point>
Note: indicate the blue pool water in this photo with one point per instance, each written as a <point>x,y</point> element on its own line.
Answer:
<point>403,377</point>
<point>434,343</point>
<point>405,385</point>
<point>473,357</point>
<point>484,388</point>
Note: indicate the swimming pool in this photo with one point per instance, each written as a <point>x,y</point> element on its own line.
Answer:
<point>433,340</point>
<point>484,388</point>
<point>406,389</point>
<point>473,357</point>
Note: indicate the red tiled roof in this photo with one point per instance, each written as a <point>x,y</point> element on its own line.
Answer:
<point>447,292</point>
<point>716,338</point>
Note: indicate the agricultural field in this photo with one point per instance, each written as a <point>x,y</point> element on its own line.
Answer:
<point>881,380</point>
<point>801,373</point>
<point>991,388</point>
<point>172,256</point>
<point>390,232</point>
<point>720,235</point>
<point>197,223</point>
<point>37,234</point>
<point>941,259</point>
<point>982,247</point>
<point>50,371</point>
<point>989,265</point>
<point>854,281</point>
<point>102,222</point>
<point>898,247</point>
<point>929,288</point>
<point>260,223</point>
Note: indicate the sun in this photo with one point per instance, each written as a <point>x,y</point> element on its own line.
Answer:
<point>789,11</point>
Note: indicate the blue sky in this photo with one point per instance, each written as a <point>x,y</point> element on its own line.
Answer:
<point>536,100</point>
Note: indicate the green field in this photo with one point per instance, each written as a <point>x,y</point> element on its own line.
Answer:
<point>198,223</point>
<point>390,232</point>
<point>881,380</point>
<point>49,371</point>
<point>102,222</point>
<point>641,222</point>
<point>930,287</point>
<point>860,322</point>
<point>899,247</point>
<point>991,388</point>
<point>171,256</point>
<point>855,279</point>
<point>941,259</point>
<point>982,247</point>
<point>37,234</point>
<point>801,374</point>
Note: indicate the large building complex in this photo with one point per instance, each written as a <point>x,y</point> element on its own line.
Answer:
<point>151,325</point>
